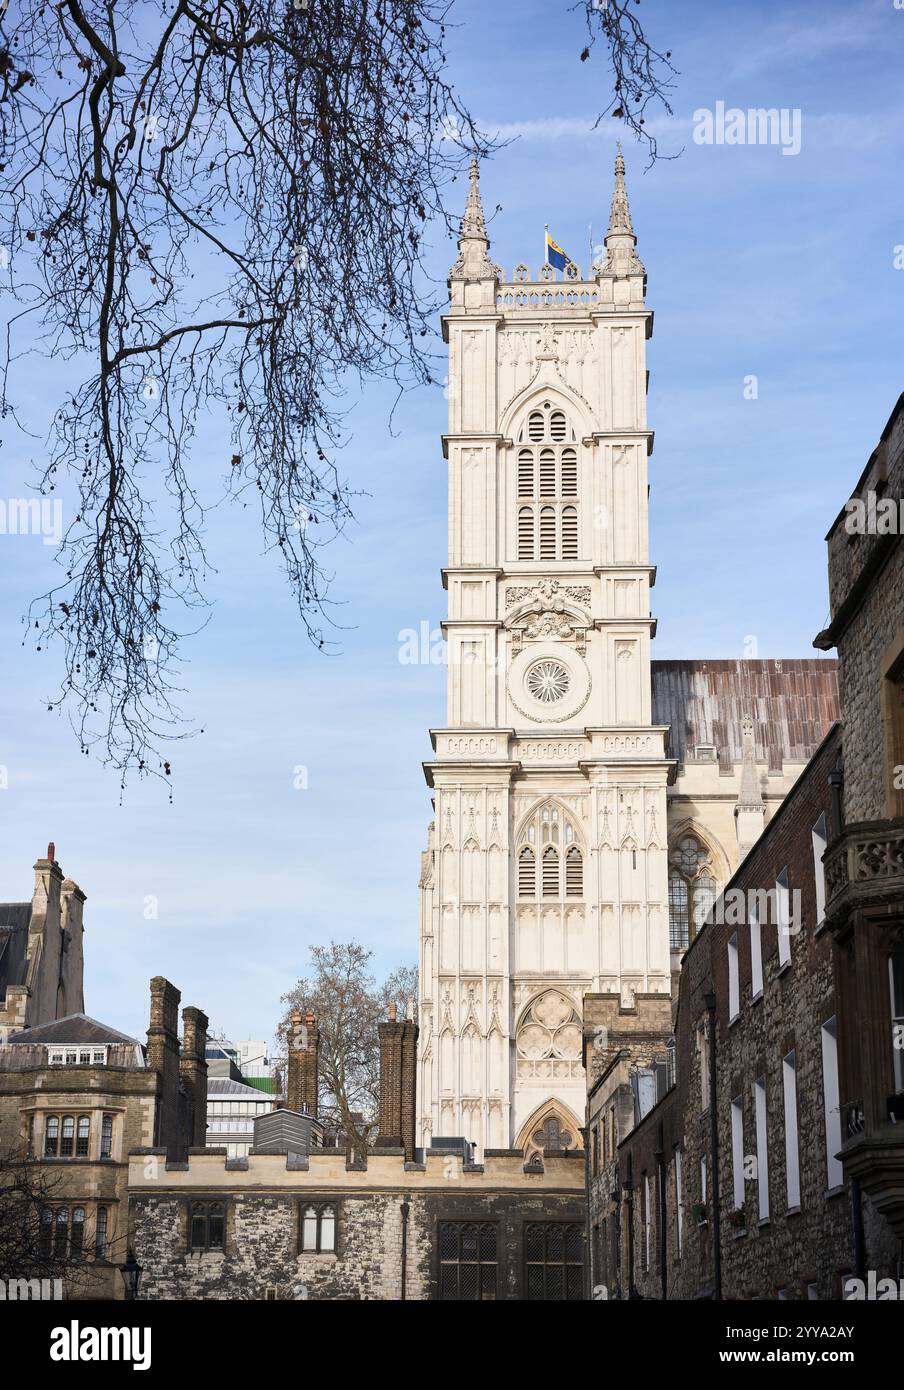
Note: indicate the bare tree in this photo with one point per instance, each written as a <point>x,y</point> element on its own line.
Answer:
<point>348,1004</point>
<point>641,75</point>
<point>30,1244</point>
<point>214,214</point>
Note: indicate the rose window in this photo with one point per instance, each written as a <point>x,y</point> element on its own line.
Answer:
<point>548,681</point>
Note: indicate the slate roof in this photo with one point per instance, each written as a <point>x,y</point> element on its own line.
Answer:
<point>74,1028</point>
<point>793,704</point>
<point>14,920</point>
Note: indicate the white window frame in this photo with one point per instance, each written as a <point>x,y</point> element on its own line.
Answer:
<point>819,839</point>
<point>792,1148</point>
<point>762,1147</point>
<point>756,952</point>
<point>783,917</point>
<point>737,1151</point>
<point>734,979</point>
<point>831,1102</point>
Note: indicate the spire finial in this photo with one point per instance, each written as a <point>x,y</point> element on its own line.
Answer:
<point>621,255</point>
<point>473,261</point>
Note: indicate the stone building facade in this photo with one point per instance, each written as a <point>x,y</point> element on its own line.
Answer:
<point>75,1098</point>
<point>295,1220</point>
<point>386,1229</point>
<point>589,803</point>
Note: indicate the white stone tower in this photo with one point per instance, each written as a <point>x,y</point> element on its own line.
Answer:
<point>546,873</point>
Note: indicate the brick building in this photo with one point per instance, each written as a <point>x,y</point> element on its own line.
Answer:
<point>755,1152</point>
<point>865,863</point>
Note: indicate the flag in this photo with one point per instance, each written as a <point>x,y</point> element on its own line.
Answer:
<point>555,256</point>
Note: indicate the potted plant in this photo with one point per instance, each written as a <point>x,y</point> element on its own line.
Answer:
<point>738,1218</point>
<point>700,1213</point>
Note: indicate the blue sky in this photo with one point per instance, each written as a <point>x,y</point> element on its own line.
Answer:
<point>759,264</point>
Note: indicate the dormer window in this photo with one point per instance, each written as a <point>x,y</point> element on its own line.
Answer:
<point>66,1056</point>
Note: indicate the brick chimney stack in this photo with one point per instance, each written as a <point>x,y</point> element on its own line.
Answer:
<point>304,1058</point>
<point>163,1058</point>
<point>398,1080</point>
<point>193,1074</point>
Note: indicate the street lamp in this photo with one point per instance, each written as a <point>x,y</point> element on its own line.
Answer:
<point>131,1273</point>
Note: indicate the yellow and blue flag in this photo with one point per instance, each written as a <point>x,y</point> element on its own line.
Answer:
<point>555,256</point>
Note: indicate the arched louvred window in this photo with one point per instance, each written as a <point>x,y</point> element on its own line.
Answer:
<point>526,533</point>
<point>550,873</point>
<point>574,873</point>
<point>526,473</point>
<point>570,533</point>
<point>547,473</point>
<point>569,473</point>
<point>527,873</point>
<point>547,533</point>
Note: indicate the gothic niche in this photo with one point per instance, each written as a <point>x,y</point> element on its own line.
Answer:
<point>548,1041</point>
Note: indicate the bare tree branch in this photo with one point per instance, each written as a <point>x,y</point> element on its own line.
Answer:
<point>215,214</point>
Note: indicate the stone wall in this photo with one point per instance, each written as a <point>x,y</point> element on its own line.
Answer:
<point>264,1198</point>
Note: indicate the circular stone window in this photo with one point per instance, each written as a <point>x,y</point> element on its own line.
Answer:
<point>548,681</point>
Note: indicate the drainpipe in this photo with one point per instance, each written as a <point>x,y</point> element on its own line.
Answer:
<point>709,1000</point>
<point>616,1214</point>
<point>629,1197</point>
<point>857,1223</point>
<point>405,1209</point>
<point>663,1224</point>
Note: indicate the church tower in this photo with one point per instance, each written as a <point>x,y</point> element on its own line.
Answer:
<point>546,873</point>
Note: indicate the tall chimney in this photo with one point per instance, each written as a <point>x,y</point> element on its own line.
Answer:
<point>304,1058</point>
<point>193,1074</point>
<point>163,1058</point>
<point>398,1083</point>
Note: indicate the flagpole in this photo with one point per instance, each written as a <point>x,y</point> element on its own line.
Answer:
<point>546,244</point>
<point>590,248</point>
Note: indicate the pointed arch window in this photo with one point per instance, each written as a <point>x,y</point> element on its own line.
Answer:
<point>527,873</point>
<point>547,474</point>
<point>550,840</point>
<point>692,890</point>
<point>550,873</point>
<point>574,873</point>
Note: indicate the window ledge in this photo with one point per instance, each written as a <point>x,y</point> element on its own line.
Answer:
<point>323,1257</point>
<point>783,969</point>
<point>740,1232</point>
<point>821,928</point>
<point>763,1222</point>
<point>734,1019</point>
<point>207,1256</point>
<point>793,1211</point>
<point>756,998</point>
<point>838,1191</point>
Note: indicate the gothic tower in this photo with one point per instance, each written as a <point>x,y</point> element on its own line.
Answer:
<point>546,872</point>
